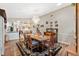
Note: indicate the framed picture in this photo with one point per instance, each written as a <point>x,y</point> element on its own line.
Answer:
<point>42,25</point>
<point>56,22</point>
<point>56,25</point>
<point>46,22</point>
<point>33,26</point>
<point>51,22</point>
<point>51,25</point>
<point>38,25</point>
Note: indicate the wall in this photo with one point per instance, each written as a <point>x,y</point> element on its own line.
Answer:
<point>17,21</point>
<point>66,23</point>
<point>1,36</point>
<point>15,35</point>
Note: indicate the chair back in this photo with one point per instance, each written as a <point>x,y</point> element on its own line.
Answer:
<point>52,39</point>
<point>29,41</point>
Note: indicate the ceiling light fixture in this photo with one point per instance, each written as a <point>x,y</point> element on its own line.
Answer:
<point>59,4</point>
<point>36,19</point>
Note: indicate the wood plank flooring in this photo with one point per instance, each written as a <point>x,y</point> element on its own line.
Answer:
<point>12,50</point>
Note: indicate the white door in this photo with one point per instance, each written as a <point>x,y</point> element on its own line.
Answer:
<point>1,36</point>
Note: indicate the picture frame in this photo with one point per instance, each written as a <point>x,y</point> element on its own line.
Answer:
<point>42,25</point>
<point>51,22</point>
<point>51,25</point>
<point>33,26</point>
<point>56,25</point>
<point>38,25</point>
<point>46,22</point>
<point>56,21</point>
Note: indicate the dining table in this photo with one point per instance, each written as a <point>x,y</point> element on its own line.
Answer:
<point>39,37</point>
<point>42,39</point>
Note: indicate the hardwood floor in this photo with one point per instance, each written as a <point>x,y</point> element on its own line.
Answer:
<point>12,50</point>
<point>62,52</point>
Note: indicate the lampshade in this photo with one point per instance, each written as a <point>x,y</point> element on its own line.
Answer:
<point>36,19</point>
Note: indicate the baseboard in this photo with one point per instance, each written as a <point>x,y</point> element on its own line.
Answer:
<point>63,43</point>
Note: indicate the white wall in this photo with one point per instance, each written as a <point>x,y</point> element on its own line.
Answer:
<point>1,36</point>
<point>15,35</point>
<point>66,23</point>
<point>15,22</point>
<point>18,19</point>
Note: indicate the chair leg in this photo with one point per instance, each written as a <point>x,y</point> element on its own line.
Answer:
<point>30,51</point>
<point>67,53</point>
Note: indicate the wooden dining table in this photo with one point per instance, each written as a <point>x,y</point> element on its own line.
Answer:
<point>40,37</point>
<point>44,40</point>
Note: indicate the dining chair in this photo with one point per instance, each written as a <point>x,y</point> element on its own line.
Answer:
<point>21,37</point>
<point>50,39</point>
<point>32,44</point>
<point>26,39</point>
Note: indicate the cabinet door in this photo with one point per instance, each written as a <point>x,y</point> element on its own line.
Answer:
<point>1,36</point>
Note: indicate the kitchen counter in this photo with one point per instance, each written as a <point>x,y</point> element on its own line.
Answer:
<point>13,35</point>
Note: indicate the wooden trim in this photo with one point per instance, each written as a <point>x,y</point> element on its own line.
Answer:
<point>76,27</point>
<point>3,14</point>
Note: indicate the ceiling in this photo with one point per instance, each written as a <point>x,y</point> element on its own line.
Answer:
<point>28,10</point>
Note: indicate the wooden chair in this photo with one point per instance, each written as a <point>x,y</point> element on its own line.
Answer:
<point>21,37</point>
<point>32,44</point>
<point>51,40</point>
<point>26,39</point>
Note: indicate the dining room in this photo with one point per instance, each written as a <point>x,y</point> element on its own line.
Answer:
<point>39,29</point>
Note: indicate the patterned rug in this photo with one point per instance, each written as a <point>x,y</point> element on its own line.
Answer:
<point>11,49</point>
<point>40,51</point>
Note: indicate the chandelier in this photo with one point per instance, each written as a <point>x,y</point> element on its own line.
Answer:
<point>35,19</point>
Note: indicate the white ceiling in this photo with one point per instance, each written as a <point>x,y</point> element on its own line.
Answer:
<point>28,10</point>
